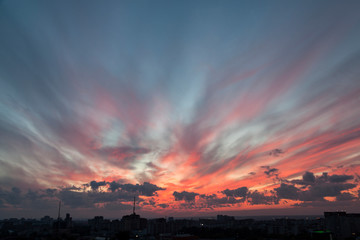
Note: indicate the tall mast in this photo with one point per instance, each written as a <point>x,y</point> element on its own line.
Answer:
<point>59,210</point>
<point>58,220</point>
<point>134,206</point>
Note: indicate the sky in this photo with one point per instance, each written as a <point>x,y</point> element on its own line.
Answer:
<point>195,108</point>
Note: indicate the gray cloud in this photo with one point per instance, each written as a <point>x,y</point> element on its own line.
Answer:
<point>77,197</point>
<point>316,188</point>
<point>163,205</point>
<point>309,177</point>
<point>322,190</point>
<point>257,198</point>
<point>145,189</point>
<point>270,171</point>
<point>346,197</point>
<point>184,195</point>
<point>287,191</point>
<point>113,186</point>
<point>211,201</point>
<point>340,178</point>
<point>39,199</point>
<point>276,152</point>
<point>239,192</point>
<point>12,197</point>
<point>95,185</point>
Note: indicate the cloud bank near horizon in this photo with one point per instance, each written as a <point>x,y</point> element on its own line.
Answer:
<point>309,191</point>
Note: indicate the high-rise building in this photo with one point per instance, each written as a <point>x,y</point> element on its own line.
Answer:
<point>342,225</point>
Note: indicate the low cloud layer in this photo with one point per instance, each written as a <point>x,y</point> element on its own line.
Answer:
<point>305,191</point>
<point>87,196</point>
<point>309,190</point>
<point>239,192</point>
<point>184,195</point>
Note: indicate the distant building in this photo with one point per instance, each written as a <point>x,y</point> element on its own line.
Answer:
<point>342,225</point>
<point>98,223</point>
<point>133,222</point>
<point>46,220</point>
<point>157,226</point>
<point>68,221</point>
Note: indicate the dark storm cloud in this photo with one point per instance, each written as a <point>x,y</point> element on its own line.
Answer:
<point>76,197</point>
<point>184,195</point>
<point>317,188</point>
<point>319,191</point>
<point>95,185</point>
<point>233,197</point>
<point>340,178</point>
<point>145,189</point>
<point>257,198</point>
<point>89,199</point>
<point>287,191</point>
<point>211,201</point>
<point>325,177</point>
<point>309,177</point>
<point>113,186</point>
<point>239,192</point>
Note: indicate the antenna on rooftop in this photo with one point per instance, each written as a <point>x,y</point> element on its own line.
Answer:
<point>59,210</point>
<point>134,206</point>
<point>58,219</point>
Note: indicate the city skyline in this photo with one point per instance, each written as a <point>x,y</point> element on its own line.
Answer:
<point>196,108</point>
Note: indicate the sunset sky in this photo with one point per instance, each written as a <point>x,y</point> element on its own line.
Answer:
<point>196,108</point>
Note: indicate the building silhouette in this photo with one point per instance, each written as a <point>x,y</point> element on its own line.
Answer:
<point>133,222</point>
<point>342,225</point>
